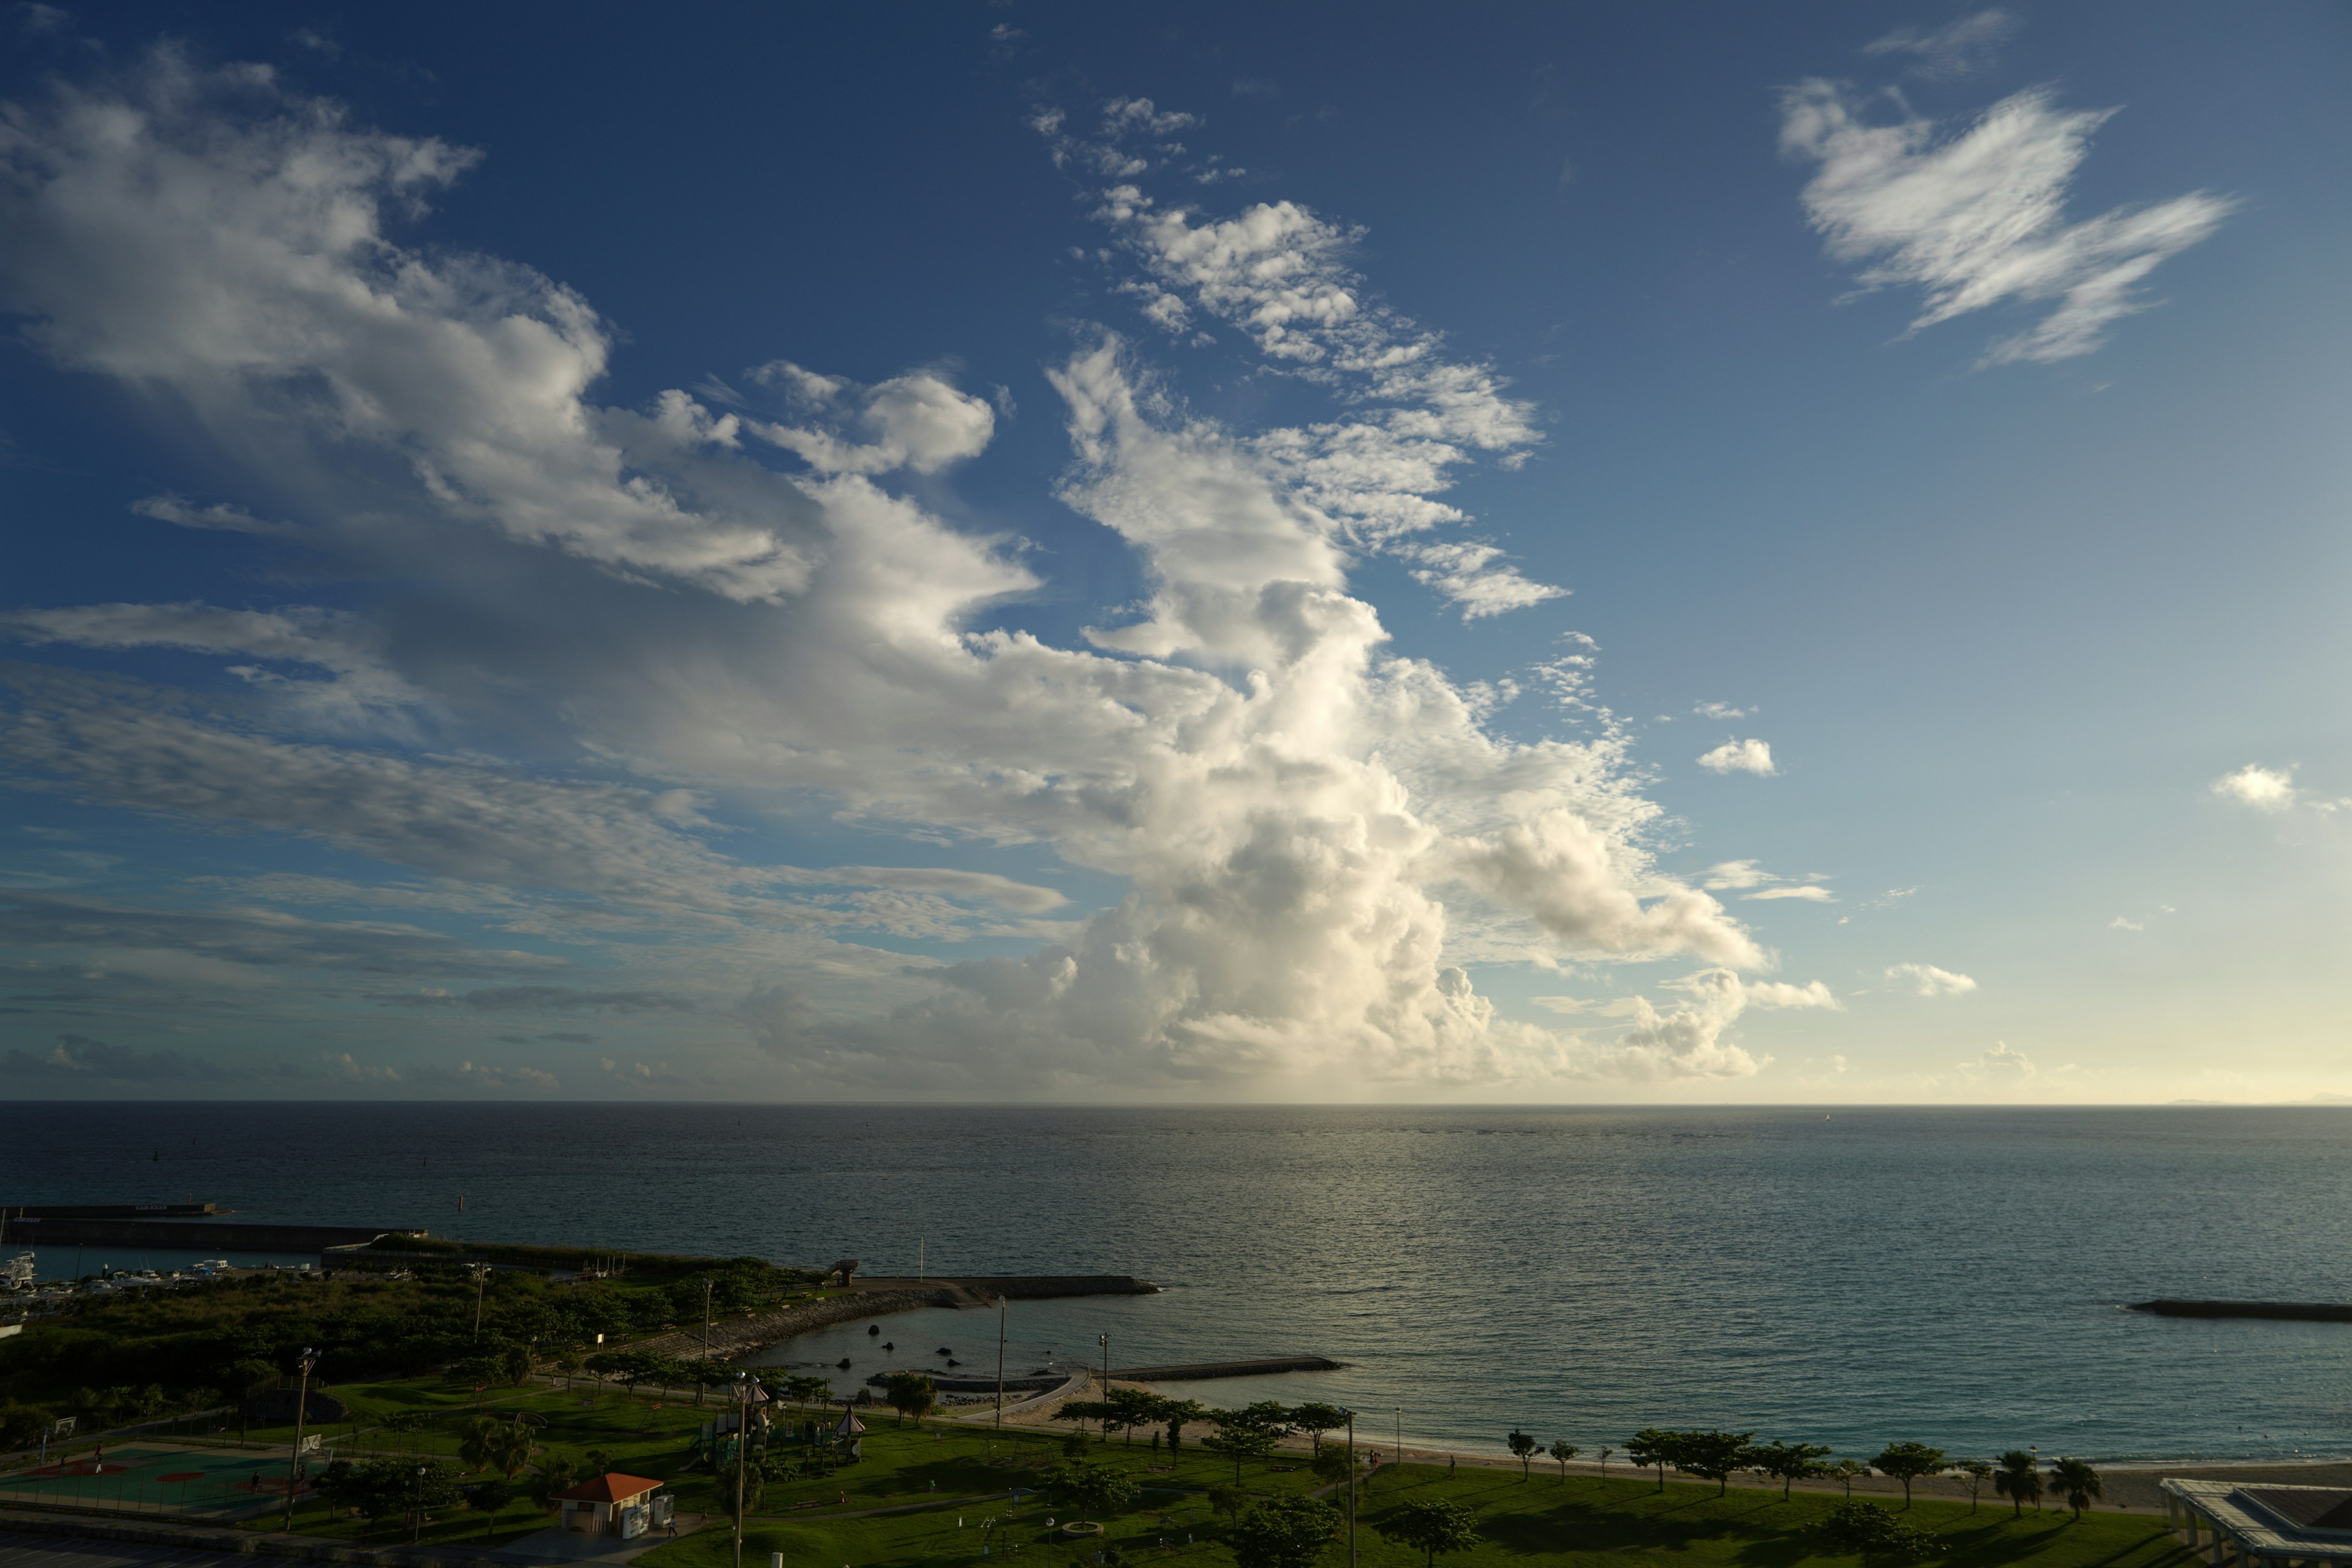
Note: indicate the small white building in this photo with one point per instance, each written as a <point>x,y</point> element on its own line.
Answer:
<point>613,1505</point>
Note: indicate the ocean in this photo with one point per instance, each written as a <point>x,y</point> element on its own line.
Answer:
<point>1850,1276</point>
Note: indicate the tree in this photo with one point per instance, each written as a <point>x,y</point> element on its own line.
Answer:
<point>1788,1462</point>
<point>556,1474</point>
<point>2019,1480</point>
<point>1228,1501</point>
<point>510,1446</point>
<point>517,1363</point>
<point>1180,1413</point>
<point>1133,1407</point>
<point>1847,1470</point>
<point>1317,1419</point>
<point>1087,1410</point>
<point>1238,1442</point>
<point>2076,1482</point>
<point>1523,1448</point>
<point>1434,1527</point>
<point>1605,1452</point>
<point>1713,1455</point>
<point>1089,1486</point>
<point>1975,1473</point>
<point>1562,1452</point>
<point>912,1393</point>
<point>1333,1465</point>
<point>1266,1414</point>
<point>1290,1533</point>
<point>1906,1462</point>
<point>488,1497</point>
<point>1652,1447</point>
<point>480,1440</point>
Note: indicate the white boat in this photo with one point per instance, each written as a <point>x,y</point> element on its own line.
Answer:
<point>17,1274</point>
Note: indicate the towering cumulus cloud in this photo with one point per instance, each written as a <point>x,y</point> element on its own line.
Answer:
<point>728,605</point>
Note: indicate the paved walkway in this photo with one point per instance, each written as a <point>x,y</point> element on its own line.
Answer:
<point>74,1551</point>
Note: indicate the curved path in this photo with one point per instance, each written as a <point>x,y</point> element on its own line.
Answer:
<point>1076,1383</point>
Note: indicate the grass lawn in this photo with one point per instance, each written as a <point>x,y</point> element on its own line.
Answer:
<point>1585,1522</point>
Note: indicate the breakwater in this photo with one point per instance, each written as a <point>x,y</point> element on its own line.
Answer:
<point>2285,1312</point>
<point>194,1235</point>
<point>1194,1372</point>
<point>873,1298</point>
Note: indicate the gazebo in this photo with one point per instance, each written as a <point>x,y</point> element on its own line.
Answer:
<point>849,1431</point>
<point>612,1504</point>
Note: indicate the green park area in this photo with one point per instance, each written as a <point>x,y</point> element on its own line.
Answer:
<point>1285,1514</point>
<point>467,1402</point>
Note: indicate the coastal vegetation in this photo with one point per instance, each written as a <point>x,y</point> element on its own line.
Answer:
<point>112,1360</point>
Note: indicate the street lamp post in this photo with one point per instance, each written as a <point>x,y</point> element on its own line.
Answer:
<point>416,1519</point>
<point>1106,1392</point>
<point>1351,1489</point>
<point>705,1367</point>
<point>1398,1456</point>
<point>1000,1366</point>
<point>294,1460</point>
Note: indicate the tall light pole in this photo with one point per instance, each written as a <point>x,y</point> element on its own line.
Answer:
<point>1000,1366</point>
<point>481,1272</point>
<point>705,1367</point>
<point>1398,1457</point>
<point>301,1403</point>
<point>416,1519</point>
<point>1106,1420</point>
<point>1351,1489</point>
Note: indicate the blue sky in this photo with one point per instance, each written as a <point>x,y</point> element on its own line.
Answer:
<point>1174,552</point>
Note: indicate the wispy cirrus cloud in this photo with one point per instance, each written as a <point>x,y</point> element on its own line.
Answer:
<point>1977,218</point>
<point>1958,48</point>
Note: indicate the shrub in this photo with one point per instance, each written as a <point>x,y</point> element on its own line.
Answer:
<point>1870,1529</point>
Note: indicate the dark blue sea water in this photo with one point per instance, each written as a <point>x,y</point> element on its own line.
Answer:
<point>1951,1276</point>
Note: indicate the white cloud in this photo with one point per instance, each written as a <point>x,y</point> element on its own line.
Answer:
<point>1977,218</point>
<point>1807,893</point>
<point>1734,875</point>
<point>915,421</point>
<point>1999,1068</point>
<point>1283,276</point>
<point>2265,789</point>
<point>2125,923</point>
<point>1954,50</point>
<point>267,295</point>
<point>1778,994</point>
<point>1927,980</point>
<point>219,518</point>
<point>1721,711</point>
<point>616,620</point>
<point>1749,756</point>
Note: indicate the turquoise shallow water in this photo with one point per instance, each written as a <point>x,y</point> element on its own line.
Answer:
<point>1952,1275</point>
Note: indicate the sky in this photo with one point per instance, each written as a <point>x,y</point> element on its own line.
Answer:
<point>1175,554</point>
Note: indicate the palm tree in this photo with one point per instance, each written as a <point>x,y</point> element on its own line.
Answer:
<point>1563,1452</point>
<point>2077,1482</point>
<point>2019,1480</point>
<point>482,1442</point>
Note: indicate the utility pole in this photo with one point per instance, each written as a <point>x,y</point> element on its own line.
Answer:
<point>1106,1420</point>
<point>921,1244</point>
<point>705,1367</point>
<point>294,1460</point>
<point>1351,1489</point>
<point>416,1519</point>
<point>1398,1457</point>
<point>1000,1366</point>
